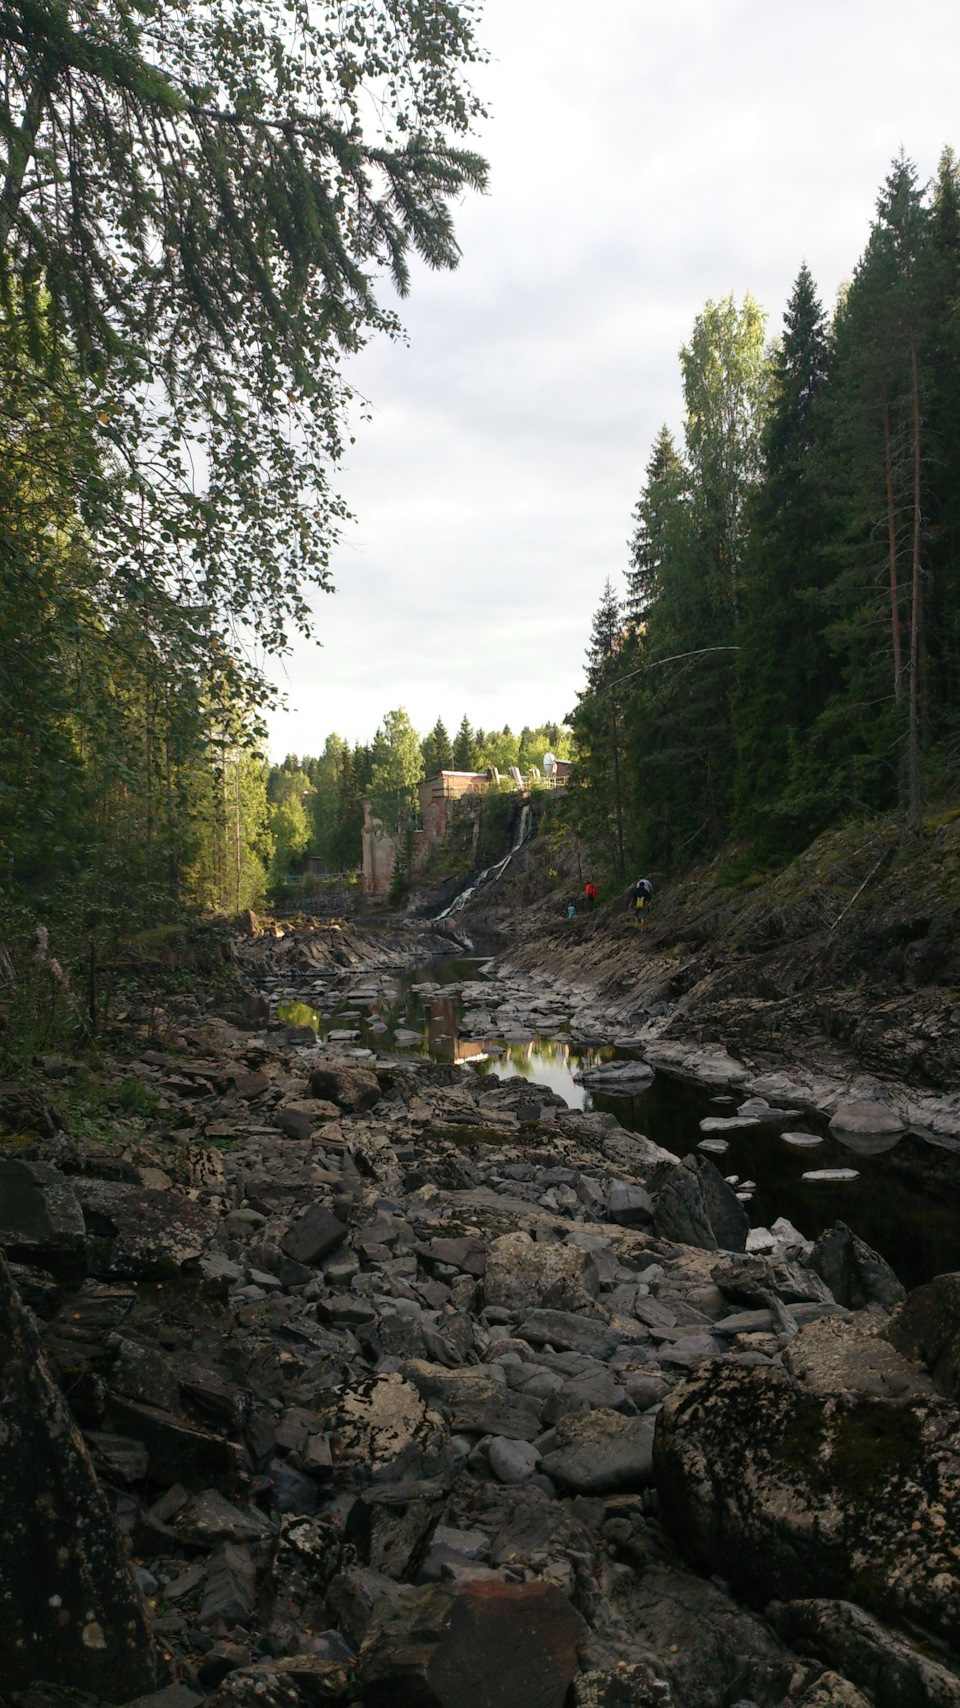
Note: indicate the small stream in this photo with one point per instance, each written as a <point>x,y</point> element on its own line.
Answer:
<point>904,1201</point>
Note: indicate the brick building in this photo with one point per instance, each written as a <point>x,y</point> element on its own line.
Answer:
<point>438,798</point>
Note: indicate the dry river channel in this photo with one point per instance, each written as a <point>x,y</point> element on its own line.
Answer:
<point>426,1338</point>
<point>899,1192</point>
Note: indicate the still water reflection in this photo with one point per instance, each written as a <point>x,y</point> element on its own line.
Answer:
<point>904,1200</point>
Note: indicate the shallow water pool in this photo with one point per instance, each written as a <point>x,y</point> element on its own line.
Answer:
<point>904,1201</point>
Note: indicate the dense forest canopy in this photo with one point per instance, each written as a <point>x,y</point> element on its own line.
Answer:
<point>788,648</point>
<point>204,212</point>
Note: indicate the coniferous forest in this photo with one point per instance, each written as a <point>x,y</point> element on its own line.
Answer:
<point>788,651</point>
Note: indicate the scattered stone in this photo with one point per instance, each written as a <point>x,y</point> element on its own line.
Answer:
<point>294,1123</point>
<point>569,1333</point>
<point>349,1086</point>
<point>728,1123</point>
<point>522,1274</point>
<point>629,1206</point>
<point>230,1590</point>
<point>836,1175</point>
<point>512,1461</point>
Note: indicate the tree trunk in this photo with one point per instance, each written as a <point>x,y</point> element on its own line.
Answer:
<point>892,538</point>
<point>237,837</point>
<point>616,777</point>
<point>915,793</point>
<point>22,145</point>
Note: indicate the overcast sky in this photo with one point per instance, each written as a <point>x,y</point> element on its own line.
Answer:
<point>645,155</point>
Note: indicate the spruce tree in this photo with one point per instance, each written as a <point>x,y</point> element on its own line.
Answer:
<point>437,751</point>
<point>658,511</point>
<point>606,635</point>
<point>465,752</point>
<point>442,749</point>
<point>784,669</point>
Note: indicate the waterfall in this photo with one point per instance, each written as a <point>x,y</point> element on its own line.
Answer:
<point>492,873</point>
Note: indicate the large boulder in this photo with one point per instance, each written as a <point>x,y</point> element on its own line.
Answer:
<point>710,1649</point>
<point>749,1279</point>
<point>598,1452</point>
<point>346,1084</point>
<point>866,1117</point>
<point>488,1642</point>
<point>41,1221</point>
<point>142,1233</point>
<point>680,1213</point>
<point>522,1274</point>
<point>792,1488</point>
<point>926,1327</point>
<point>855,1274</point>
<point>895,1672</point>
<point>842,1355</point>
<point>693,1205</point>
<point>71,1613</point>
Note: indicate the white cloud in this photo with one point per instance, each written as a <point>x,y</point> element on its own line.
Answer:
<point>643,158</point>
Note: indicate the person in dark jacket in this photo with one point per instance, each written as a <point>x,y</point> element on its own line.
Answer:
<point>640,896</point>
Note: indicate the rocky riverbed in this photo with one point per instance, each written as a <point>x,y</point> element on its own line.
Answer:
<point>344,1377</point>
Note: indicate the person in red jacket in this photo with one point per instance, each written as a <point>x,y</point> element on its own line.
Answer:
<point>590,894</point>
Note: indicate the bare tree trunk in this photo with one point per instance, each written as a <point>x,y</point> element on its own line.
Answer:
<point>915,806</point>
<point>892,537</point>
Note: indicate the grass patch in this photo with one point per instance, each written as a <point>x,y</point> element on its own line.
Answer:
<point>134,1097</point>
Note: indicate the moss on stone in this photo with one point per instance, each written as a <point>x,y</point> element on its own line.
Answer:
<point>872,1445</point>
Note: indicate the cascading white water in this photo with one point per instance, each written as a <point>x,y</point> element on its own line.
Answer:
<point>492,873</point>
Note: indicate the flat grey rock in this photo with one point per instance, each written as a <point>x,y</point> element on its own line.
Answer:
<point>601,1452</point>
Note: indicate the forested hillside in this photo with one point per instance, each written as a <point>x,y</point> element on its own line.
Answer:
<point>316,803</point>
<point>788,652</point>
